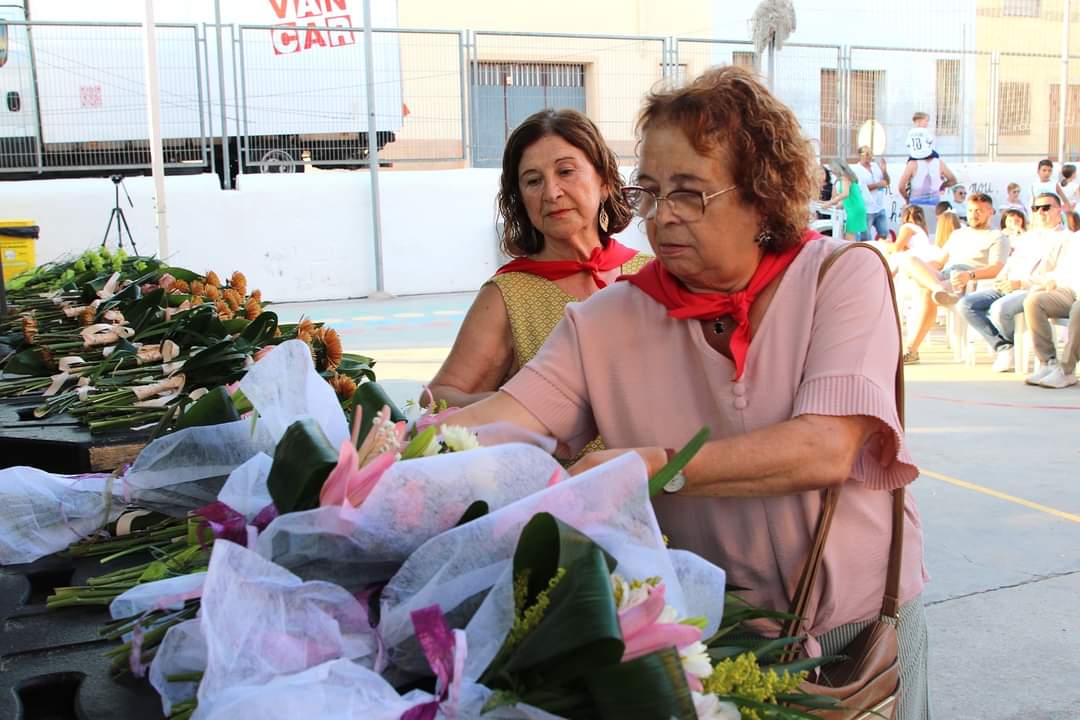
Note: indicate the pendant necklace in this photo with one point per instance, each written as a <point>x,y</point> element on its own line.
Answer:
<point>718,326</point>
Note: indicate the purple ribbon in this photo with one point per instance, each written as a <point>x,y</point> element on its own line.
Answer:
<point>445,651</point>
<point>226,523</point>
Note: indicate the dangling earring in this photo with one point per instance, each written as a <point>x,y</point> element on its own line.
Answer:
<point>603,219</point>
<point>764,239</point>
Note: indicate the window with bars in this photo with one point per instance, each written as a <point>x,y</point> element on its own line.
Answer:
<point>1021,8</point>
<point>744,59</point>
<point>1014,108</point>
<point>529,74</point>
<point>947,108</point>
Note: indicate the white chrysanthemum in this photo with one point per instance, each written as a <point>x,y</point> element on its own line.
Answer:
<point>459,438</point>
<point>695,660</point>
<point>709,707</point>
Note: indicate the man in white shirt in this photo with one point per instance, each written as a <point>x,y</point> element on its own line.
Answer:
<point>992,312</point>
<point>976,252</point>
<point>874,181</point>
<point>1043,183</point>
<point>1059,278</point>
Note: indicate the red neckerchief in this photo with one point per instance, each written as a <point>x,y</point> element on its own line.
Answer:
<point>601,260</point>
<point>663,287</point>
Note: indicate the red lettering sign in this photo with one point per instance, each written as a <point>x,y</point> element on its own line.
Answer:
<point>310,25</point>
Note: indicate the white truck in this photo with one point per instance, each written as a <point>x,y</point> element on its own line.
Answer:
<point>73,100</point>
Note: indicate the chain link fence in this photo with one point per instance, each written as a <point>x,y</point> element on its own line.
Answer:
<point>297,98</point>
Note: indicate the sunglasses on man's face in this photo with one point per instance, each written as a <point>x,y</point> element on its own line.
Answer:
<point>1041,208</point>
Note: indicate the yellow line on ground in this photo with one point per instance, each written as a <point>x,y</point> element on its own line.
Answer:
<point>1072,517</point>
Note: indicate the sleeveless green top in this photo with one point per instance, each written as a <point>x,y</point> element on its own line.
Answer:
<point>854,208</point>
<point>535,305</point>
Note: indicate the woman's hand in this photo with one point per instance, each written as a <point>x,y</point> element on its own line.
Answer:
<point>653,457</point>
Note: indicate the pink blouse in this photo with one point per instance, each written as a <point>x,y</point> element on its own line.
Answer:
<point>619,365</point>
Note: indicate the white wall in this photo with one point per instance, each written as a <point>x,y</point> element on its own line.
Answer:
<point>308,236</point>
<point>297,237</point>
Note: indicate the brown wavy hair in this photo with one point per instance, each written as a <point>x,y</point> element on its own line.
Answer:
<point>728,109</point>
<point>519,237</point>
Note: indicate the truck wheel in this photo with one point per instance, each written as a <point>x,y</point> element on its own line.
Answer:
<point>280,161</point>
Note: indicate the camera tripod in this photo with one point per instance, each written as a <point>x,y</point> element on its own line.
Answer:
<point>117,214</point>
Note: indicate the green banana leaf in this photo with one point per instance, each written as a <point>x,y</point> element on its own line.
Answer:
<point>213,408</point>
<point>370,399</point>
<point>653,686</point>
<point>302,460</point>
<point>180,273</point>
<point>31,361</point>
<point>579,631</point>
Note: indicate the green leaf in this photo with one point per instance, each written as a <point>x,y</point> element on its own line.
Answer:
<point>669,471</point>
<point>213,408</point>
<point>260,330</point>
<point>653,686</point>
<point>419,445</point>
<point>579,631</point>
<point>29,362</point>
<point>477,510</point>
<point>302,460</point>
<point>370,399</point>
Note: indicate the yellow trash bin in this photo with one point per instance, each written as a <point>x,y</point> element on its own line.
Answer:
<point>17,246</point>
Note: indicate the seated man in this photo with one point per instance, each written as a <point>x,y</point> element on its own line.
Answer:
<point>991,312</point>
<point>1059,278</point>
<point>973,253</point>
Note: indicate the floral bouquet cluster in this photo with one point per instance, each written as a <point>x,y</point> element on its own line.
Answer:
<point>124,342</point>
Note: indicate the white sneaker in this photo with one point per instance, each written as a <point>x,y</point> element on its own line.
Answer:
<point>1058,378</point>
<point>1036,377</point>
<point>1005,360</point>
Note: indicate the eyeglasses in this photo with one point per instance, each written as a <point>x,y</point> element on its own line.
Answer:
<point>1041,208</point>
<point>687,205</point>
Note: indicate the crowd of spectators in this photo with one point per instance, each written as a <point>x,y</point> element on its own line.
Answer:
<point>953,249</point>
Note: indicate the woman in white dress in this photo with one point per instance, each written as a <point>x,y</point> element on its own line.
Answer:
<point>912,238</point>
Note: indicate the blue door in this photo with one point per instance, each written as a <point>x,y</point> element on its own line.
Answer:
<point>504,94</point>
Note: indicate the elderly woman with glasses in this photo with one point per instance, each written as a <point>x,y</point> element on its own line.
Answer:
<point>731,329</point>
<point>560,201</point>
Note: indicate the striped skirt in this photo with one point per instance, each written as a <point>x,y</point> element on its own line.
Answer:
<point>914,691</point>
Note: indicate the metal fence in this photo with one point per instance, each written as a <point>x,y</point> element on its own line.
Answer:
<point>79,97</point>
<point>294,98</point>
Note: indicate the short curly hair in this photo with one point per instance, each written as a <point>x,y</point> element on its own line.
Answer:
<point>728,109</point>
<point>518,236</point>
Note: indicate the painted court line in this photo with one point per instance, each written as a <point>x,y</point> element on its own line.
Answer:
<point>1072,517</point>
<point>368,318</point>
<point>408,315</point>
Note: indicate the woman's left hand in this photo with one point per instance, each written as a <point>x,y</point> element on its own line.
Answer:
<point>653,457</point>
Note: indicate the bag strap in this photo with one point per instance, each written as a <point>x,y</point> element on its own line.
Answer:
<point>890,604</point>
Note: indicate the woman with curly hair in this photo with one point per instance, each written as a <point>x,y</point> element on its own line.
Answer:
<point>731,328</point>
<point>560,201</point>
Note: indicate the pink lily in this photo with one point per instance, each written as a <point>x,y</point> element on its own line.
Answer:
<point>642,634</point>
<point>358,471</point>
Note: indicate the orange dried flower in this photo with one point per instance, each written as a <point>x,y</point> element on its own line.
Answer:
<point>344,386</point>
<point>86,317</point>
<point>233,298</point>
<point>238,283</point>
<point>196,300</point>
<point>256,295</point>
<point>212,278</point>
<point>223,310</point>
<point>252,310</point>
<point>29,328</point>
<point>328,346</point>
<point>305,330</point>
<point>197,287</point>
<point>212,293</point>
<point>180,287</point>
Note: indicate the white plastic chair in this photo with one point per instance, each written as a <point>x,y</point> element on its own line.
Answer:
<point>1024,344</point>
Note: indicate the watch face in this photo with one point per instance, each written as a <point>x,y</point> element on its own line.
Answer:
<point>676,483</point>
